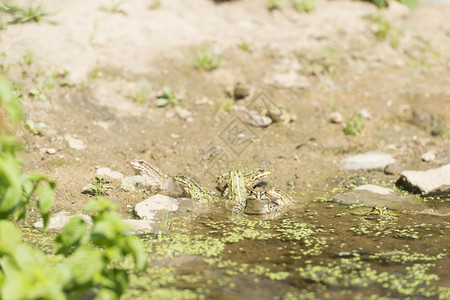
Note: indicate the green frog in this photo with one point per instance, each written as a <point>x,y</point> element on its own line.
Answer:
<point>236,190</point>
<point>261,202</point>
<point>250,177</point>
<point>374,213</point>
<point>279,114</point>
<point>194,189</point>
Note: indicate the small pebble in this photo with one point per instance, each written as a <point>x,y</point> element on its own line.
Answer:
<point>364,113</point>
<point>393,169</point>
<point>336,117</point>
<point>429,156</point>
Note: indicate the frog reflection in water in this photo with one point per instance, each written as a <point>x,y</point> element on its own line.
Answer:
<point>261,202</point>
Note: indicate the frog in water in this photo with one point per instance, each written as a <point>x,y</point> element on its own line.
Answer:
<point>194,189</point>
<point>261,202</point>
<point>232,182</point>
<point>374,213</point>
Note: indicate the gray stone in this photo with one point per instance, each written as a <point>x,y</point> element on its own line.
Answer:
<point>375,189</point>
<point>241,90</point>
<point>131,183</point>
<point>393,169</point>
<point>428,156</point>
<point>147,209</point>
<point>142,226</point>
<point>367,161</point>
<point>258,120</point>
<point>379,197</point>
<point>109,173</point>
<point>336,117</point>
<point>59,220</point>
<point>74,143</point>
<point>433,182</point>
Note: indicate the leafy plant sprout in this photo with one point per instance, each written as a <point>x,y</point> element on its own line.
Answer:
<point>167,96</point>
<point>354,125</point>
<point>140,96</point>
<point>272,4</point>
<point>207,60</point>
<point>28,57</point>
<point>155,4</point>
<point>21,14</point>
<point>304,5</point>
<point>98,187</point>
<point>244,46</point>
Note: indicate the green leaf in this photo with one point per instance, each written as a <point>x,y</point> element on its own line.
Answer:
<point>100,205</point>
<point>86,264</point>
<point>161,102</point>
<point>10,237</point>
<point>31,127</point>
<point>11,191</point>
<point>135,247</point>
<point>116,280</point>
<point>8,102</point>
<point>45,201</point>
<point>72,234</point>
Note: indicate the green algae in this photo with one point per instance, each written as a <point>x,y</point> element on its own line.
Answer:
<point>356,273</point>
<point>399,256</point>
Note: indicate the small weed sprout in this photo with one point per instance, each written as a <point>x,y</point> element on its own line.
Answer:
<point>114,6</point>
<point>167,96</point>
<point>96,73</point>
<point>39,92</point>
<point>244,46</point>
<point>140,96</point>
<point>155,4</point>
<point>272,4</point>
<point>207,60</point>
<point>4,66</point>
<point>227,106</point>
<point>28,57</point>
<point>22,15</point>
<point>98,187</point>
<point>382,27</point>
<point>354,125</point>
<point>306,6</point>
<point>33,128</point>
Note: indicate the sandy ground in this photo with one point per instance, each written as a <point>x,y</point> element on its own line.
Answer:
<point>312,64</point>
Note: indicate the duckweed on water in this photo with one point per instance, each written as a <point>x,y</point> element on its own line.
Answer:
<point>177,244</point>
<point>398,256</point>
<point>386,228</point>
<point>354,272</point>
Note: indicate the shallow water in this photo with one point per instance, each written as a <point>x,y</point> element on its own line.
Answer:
<point>318,251</point>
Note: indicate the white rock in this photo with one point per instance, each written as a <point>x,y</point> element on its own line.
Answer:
<point>59,220</point>
<point>146,209</point>
<point>365,114</point>
<point>375,189</point>
<point>367,161</point>
<point>50,151</point>
<point>183,113</point>
<point>140,226</point>
<point>429,183</point>
<point>130,183</point>
<point>109,173</point>
<point>74,143</point>
<point>429,156</point>
<point>258,120</point>
<point>336,117</point>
